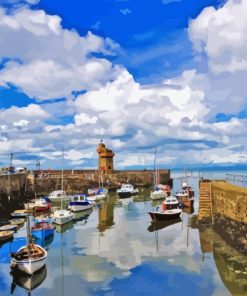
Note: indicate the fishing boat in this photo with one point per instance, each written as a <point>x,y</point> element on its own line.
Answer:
<point>62,216</point>
<point>165,215</point>
<point>29,258</point>
<point>79,203</point>
<point>167,211</point>
<point>8,227</point>
<point>126,191</point>
<point>185,195</point>
<point>42,229</point>
<point>42,205</point>
<point>6,234</point>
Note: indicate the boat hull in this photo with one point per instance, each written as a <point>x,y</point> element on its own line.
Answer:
<point>166,215</point>
<point>62,217</point>
<point>42,234</point>
<point>80,207</point>
<point>29,266</point>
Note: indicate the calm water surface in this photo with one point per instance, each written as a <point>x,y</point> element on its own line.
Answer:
<point>116,250</point>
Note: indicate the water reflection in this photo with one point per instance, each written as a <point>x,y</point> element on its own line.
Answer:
<point>231,265</point>
<point>157,225</point>
<point>44,242</point>
<point>82,216</point>
<point>27,282</point>
<point>63,228</point>
<point>106,214</point>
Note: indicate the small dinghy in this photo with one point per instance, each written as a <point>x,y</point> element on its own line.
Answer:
<point>16,221</point>
<point>5,235</point>
<point>29,258</point>
<point>8,227</point>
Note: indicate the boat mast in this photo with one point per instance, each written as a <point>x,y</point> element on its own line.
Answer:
<point>62,182</point>
<point>155,173</point>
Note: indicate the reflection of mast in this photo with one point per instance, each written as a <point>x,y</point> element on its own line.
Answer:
<point>62,263</point>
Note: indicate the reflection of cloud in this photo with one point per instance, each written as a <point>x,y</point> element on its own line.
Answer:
<point>125,11</point>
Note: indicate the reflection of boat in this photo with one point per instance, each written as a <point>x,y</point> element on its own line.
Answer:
<point>29,258</point>
<point>6,234</point>
<point>26,281</point>
<point>80,216</point>
<point>63,228</point>
<point>127,201</point>
<point>79,203</point>
<point>157,225</point>
<point>126,191</point>
<point>188,210</point>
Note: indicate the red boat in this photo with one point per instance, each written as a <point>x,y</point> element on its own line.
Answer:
<point>42,205</point>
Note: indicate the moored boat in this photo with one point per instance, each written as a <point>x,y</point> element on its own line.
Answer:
<point>6,234</point>
<point>126,191</point>
<point>79,203</point>
<point>8,227</point>
<point>29,258</point>
<point>17,221</point>
<point>42,205</point>
<point>42,229</point>
<point>165,215</point>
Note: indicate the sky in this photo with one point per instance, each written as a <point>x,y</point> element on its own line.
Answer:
<point>138,74</point>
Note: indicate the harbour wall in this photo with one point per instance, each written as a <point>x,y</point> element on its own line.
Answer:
<point>229,207</point>
<point>224,205</point>
<point>16,188</point>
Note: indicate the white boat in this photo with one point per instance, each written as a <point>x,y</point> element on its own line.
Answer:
<point>57,195</point>
<point>97,197</point>
<point>79,203</point>
<point>127,190</point>
<point>62,216</point>
<point>158,194</point>
<point>29,258</point>
<point>170,202</point>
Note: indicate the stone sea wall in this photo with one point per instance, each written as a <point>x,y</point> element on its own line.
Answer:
<point>229,212</point>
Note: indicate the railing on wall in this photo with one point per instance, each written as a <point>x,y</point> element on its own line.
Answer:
<point>237,179</point>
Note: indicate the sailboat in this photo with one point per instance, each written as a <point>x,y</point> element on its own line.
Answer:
<point>97,194</point>
<point>185,195</point>
<point>29,258</point>
<point>62,216</point>
<point>157,192</point>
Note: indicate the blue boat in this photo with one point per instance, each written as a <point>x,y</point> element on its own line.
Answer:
<point>42,229</point>
<point>79,203</point>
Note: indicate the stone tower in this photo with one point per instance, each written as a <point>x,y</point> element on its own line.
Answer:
<point>105,159</point>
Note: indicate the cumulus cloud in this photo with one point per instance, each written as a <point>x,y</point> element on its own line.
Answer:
<point>52,62</point>
<point>178,115</point>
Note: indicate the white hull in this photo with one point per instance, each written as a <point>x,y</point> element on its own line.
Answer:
<point>97,197</point>
<point>62,217</point>
<point>30,265</point>
<point>77,208</point>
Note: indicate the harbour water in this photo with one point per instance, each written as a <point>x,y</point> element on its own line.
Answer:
<point>116,250</point>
